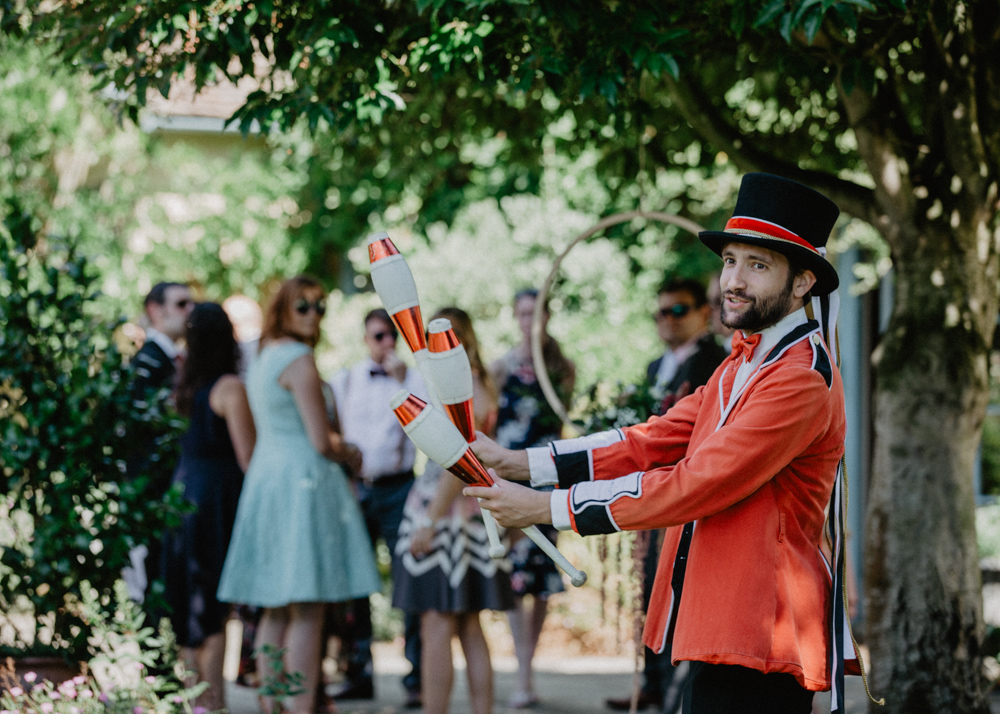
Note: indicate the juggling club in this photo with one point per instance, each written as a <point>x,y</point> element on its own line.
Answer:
<point>443,443</point>
<point>452,377</point>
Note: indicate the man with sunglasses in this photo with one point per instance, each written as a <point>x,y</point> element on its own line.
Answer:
<point>362,394</point>
<point>682,318</point>
<point>153,371</point>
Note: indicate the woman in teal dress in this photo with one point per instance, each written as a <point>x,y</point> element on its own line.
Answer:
<point>299,539</point>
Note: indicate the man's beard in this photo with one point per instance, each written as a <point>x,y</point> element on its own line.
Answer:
<point>761,312</point>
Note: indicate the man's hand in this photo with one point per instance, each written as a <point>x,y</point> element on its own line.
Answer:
<point>512,465</point>
<point>512,505</point>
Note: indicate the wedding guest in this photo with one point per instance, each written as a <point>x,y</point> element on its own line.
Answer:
<point>153,372</point>
<point>526,419</point>
<point>299,540</point>
<point>215,451</point>
<point>443,571</point>
<point>362,394</point>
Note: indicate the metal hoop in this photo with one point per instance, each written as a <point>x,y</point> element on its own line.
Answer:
<point>536,319</point>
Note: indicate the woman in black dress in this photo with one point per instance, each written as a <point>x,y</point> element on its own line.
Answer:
<point>215,451</point>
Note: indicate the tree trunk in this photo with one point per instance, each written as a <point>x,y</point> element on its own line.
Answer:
<point>923,585</point>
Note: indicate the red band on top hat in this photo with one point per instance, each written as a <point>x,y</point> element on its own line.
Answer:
<point>766,229</point>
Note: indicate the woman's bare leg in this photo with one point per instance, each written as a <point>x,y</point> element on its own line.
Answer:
<point>526,626</point>
<point>437,669</point>
<point>302,641</point>
<point>209,658</point>
<point>479,669</point>
<point>270,631</point>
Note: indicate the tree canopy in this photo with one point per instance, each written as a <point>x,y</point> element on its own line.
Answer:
<point>890,107</point>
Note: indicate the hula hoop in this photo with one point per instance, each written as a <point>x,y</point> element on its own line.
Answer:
<point>536,319</point>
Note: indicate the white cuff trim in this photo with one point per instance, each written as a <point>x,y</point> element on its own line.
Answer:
<point>559,506</point>
<point>542,467</point>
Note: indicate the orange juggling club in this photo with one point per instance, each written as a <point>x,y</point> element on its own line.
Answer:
<point>452,375</point>
<point>437,437</point>
<point>443,443</point>
<point>394,284</point>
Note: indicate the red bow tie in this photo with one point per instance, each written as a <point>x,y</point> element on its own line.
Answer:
<point>744,346</point>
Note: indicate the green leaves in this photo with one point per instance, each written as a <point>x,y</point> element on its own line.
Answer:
<point>69,424</point>
<point>807,16</point>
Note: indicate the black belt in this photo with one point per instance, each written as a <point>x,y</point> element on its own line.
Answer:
<point>395,479</point>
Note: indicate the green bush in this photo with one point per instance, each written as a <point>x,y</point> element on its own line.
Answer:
<point>67,427</point>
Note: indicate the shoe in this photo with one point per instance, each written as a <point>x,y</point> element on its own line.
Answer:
<point>522,700</point>
<point>413,700</point>
<point>623,705</point>
<point>364,689</point>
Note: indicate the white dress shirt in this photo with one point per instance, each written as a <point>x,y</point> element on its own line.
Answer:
<point>368,421</point>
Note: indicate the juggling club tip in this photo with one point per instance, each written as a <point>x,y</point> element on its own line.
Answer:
<point>579,579</point>
<point>499,551</point>
<point>398,398</point>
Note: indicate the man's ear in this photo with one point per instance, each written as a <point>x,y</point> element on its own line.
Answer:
<point>803,283</point>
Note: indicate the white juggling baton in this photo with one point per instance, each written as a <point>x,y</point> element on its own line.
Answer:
<point>451,373</point>
<point>397,290</point>
<point>441,440</point>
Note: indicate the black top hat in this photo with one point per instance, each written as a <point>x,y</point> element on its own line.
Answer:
<point>786,217</point>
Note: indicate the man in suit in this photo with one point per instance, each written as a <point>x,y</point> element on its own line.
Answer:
<point>682,320</point>
<point>154,370</point>
<point>361,394</point>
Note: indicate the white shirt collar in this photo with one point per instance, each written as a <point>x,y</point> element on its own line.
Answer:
<point>771,336</point>
<point>166,344</point>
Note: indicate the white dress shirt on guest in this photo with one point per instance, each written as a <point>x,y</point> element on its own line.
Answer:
<point>362,395</point>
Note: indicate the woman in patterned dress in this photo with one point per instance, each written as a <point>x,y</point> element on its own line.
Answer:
<point>443,567</point>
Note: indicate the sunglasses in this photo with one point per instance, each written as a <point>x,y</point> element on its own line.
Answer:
<point>379,336</point>
<point>678,310</point>
<point>303,306</point>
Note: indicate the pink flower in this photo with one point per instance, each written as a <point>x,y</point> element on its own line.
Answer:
<point>150,680</point>
<point>55,695</point>
<point>16,691</point>
<point>47,707</point>
<point>86,694</point>
<point>30,677</point>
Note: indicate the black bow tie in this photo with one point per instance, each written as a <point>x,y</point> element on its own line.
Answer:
<point>379,372</point>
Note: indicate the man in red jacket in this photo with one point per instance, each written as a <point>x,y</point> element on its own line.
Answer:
<point>739,472</point>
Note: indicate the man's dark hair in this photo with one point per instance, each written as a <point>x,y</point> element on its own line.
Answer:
<point>380,314</point>
<point>159,293</point>
<point>692,287</point>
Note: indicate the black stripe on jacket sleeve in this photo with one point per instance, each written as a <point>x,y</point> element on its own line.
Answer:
<point>572,468</point>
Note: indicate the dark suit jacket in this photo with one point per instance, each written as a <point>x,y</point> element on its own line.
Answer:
<point>151,370</point>
<point>696,369</point>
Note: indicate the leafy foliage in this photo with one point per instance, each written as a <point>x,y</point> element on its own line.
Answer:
<point>68,424</point>
<point>120,678</point>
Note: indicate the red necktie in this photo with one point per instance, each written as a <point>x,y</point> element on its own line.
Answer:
<point>744,346</point>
